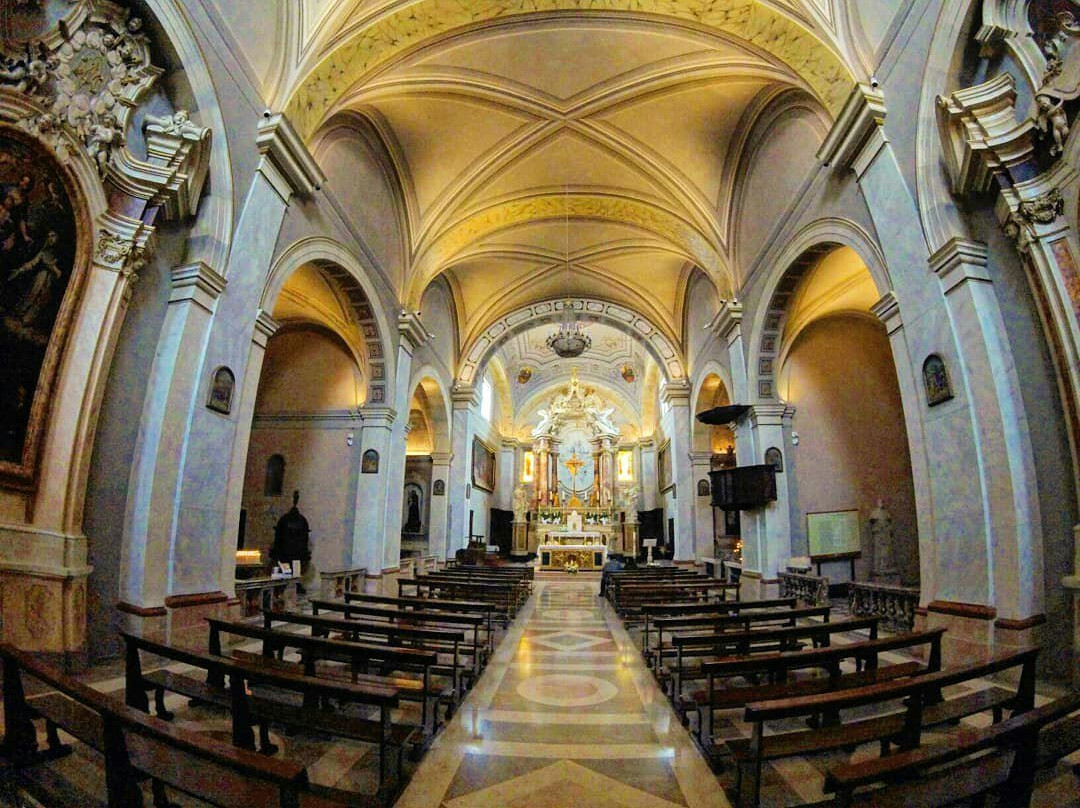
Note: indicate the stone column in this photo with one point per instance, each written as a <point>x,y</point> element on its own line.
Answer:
<point>437,526</point>
<point>607,490</point>
<point>201,523</point>
<point>647,473</point>
<point>598,480</point>
<point>154,475</point>
<point>678,397</point>
<point>767,545</point>
<point>553,473</point>
<point>542,450</point>
<point>464,401</point>
<point>993,384</point>
<point>703,511</point>
<point>371,526</point>
<point>411,335</point>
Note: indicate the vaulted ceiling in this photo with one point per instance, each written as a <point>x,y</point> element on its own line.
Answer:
<point>530,137</point>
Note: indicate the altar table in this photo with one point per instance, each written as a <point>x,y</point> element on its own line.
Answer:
<point>557,556</point>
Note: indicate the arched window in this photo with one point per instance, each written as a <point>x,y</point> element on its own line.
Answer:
<point>487,398</point>
<point>275,476</point>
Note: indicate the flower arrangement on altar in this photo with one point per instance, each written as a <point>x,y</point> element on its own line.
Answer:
<point>571,567</point>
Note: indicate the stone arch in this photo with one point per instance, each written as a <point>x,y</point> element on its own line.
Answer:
<point>351,277</point>
<point>661,347</point>
<point>712,379</point>
<point>439,414</point>
<point>799,257</point>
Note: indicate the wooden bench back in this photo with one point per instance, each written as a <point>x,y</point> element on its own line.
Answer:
<point>441,604</point>
<point>409,615</point>
<point>135,744</point>
<point>369,627</point>
<point>655,610</point>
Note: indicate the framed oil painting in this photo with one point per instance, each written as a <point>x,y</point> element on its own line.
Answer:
<point>483,465</point>
<point>663,466</point>
<point>44,264</point>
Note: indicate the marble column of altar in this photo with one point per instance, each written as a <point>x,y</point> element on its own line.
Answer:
<point>542,450</point>
<point>598,480</point>
<point>553,473</point>
<point>607,473</point>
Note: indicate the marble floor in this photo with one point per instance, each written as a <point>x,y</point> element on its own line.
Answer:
<point>566,714</point>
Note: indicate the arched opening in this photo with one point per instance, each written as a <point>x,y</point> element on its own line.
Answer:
<point>849,446</point>
<point>305,435</point>
<point>423,514</point>
<point>716,530</point>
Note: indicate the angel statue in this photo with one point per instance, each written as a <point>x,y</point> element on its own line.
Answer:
<point>1051,120</point>
<point>602,422</point>
<point>547,422</point>
<point>521,503</point>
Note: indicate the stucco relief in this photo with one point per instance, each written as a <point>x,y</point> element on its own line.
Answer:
<point>393,35</point>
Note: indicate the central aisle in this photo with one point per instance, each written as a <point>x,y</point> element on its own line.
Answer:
<point>566,714</point>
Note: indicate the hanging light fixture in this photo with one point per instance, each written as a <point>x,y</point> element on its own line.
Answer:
<point>569,340</point>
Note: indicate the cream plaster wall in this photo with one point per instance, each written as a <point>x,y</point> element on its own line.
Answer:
<point>852,442</point>
<point>781,164</point>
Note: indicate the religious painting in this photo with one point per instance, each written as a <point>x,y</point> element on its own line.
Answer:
<point>775,458</point>
<point>222,384</point>
<point>663,466</point>
<point>483,465</point>
<point>439,488</point>
<point>703,488</point>
<point>628,374</point>
<point>369,463</point>
<point>936,380</point>
<point>41,269</point>
<point>524,375</point>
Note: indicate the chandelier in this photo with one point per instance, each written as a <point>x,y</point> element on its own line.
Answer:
<point>569,340</point>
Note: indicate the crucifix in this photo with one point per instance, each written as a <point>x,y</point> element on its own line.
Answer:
<point>574,464</point>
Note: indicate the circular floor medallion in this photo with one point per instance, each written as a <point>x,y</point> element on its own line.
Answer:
<point>567,690</point>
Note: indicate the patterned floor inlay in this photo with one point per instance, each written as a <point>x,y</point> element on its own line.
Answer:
<point>566,715</point>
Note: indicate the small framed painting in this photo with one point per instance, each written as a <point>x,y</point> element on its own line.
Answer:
<point>936,381</point>
<point>369,463</point>
<point>222,385</point>
<point>483,466</point>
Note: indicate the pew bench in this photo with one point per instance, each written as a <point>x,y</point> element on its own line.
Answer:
<point>392,662</point>
<point>1001,759</point>
<point>651,611</point>
<point>921,707</point>
<point>474,625</point>
<point>135,747</point>
<point>692,651</point>
<point>246,709</point>
<point>435,605</point>
<point>443,642</point>
<point>778,670</point>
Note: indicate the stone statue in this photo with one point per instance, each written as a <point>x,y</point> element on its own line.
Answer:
<point>547,423</point>
<point>521,503</point>
<point>1052,121</point>
<point>630,500</point>
<point>881,542</point>
<point>602,424</point>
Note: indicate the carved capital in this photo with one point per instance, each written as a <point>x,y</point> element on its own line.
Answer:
<point>278,142</point>
<point>1021,220</point>
<point>412,331</point>
<point>887,309</point>
<point>727,324</point>
<point>265,327</point>
<point>858,125</point>
<point>122,245</point>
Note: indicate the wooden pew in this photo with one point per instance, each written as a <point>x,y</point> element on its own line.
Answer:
<point>957,767</point>
<point>136,746</point>
<point>472,623</point>
<point>359,656</point>
<point>501,596</point>
<point>522,586</point>
<point>629,598</point>
<point>437,640</point>
<point>246,710</point>
<point>436,605</point>
<point>923,707</point>
<point>701,648</point>
<point>651,611</point>
<point>739,621</point>
<point>777,668</point>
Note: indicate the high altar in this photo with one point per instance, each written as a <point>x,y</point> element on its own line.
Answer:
<point>553,510</point>
<point>587,548</point>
